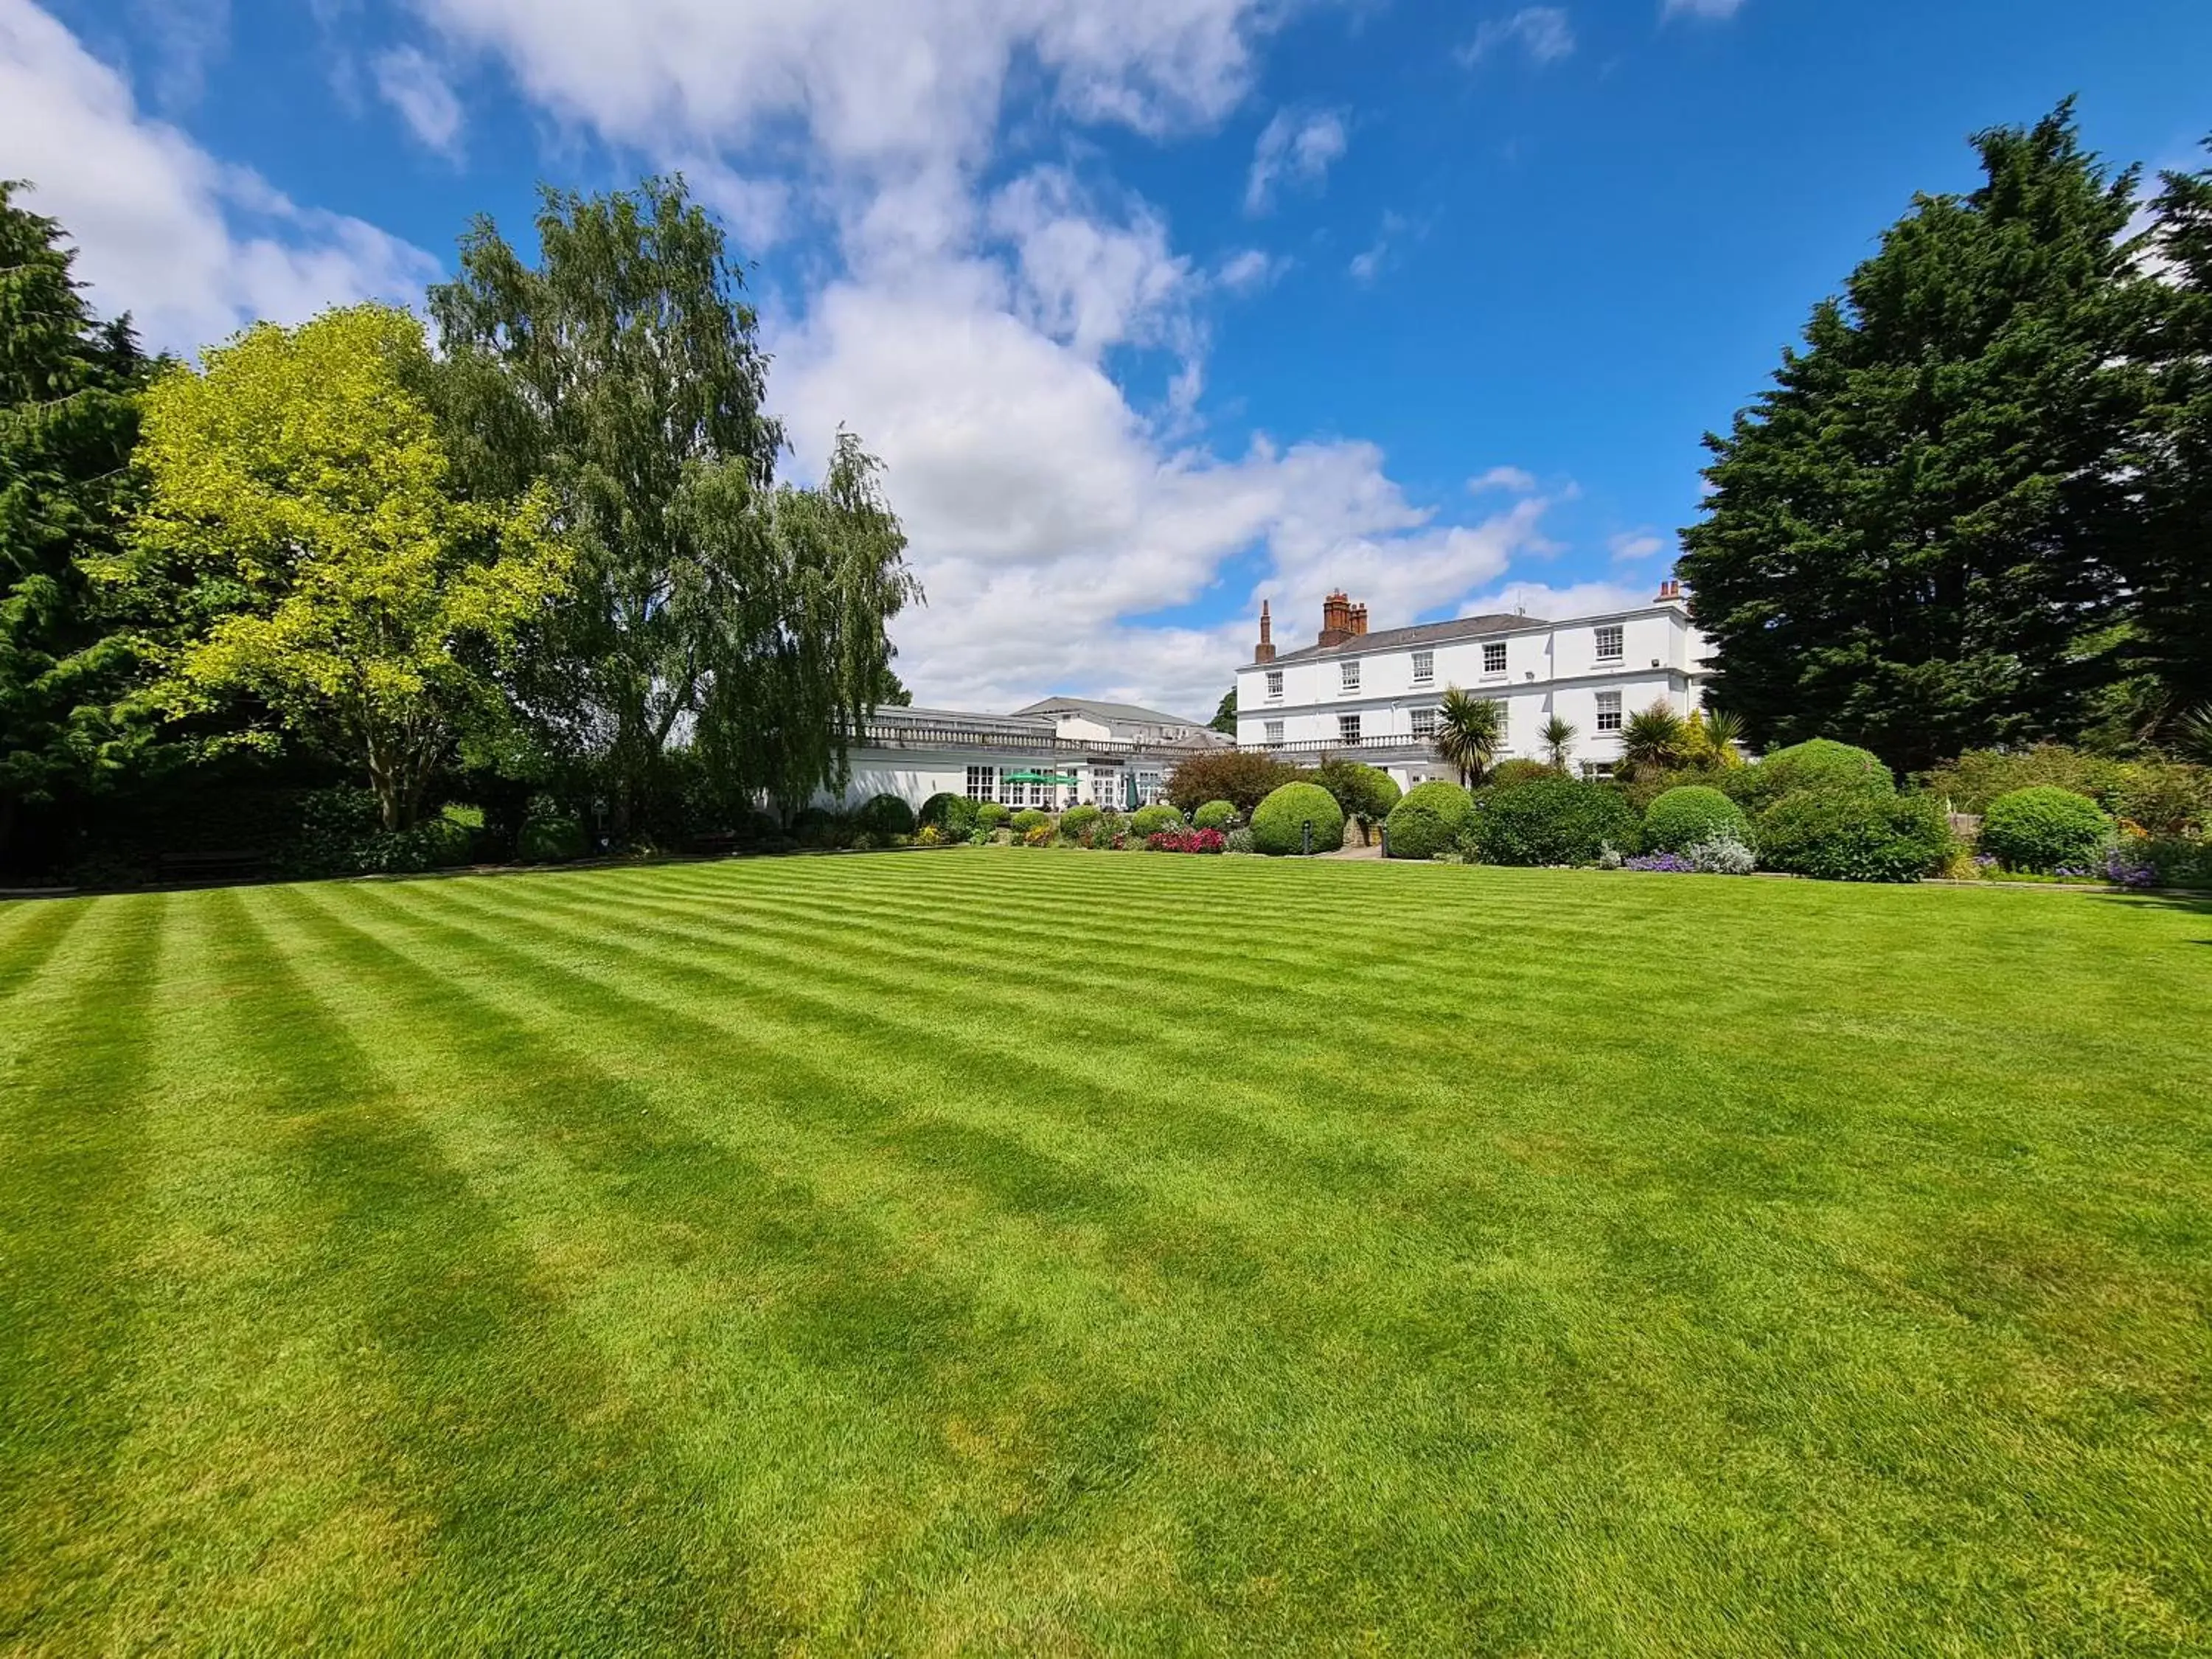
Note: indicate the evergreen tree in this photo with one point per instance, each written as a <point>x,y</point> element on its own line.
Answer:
<point>2168,564</point>
<point>1225,717</point>
<point>623,372</point>
<point>67,424</point>
<point>1910,539</point>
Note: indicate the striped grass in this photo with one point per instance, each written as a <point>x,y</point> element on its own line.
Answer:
<point>1058,1253</point>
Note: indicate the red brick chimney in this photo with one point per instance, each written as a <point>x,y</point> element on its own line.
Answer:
<point>1265,651</point>
<point>1670,589</point>
<point>1358,620</point>
<point>1336,619</point>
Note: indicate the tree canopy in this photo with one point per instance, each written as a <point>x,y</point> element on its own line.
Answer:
<point>1910,539</point>
<point>298,503</point>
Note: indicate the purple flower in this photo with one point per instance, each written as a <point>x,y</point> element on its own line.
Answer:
<point>1672,864</point>
<point>2125,869</point>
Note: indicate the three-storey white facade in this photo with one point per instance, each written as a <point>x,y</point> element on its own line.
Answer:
<point>1374,696</point>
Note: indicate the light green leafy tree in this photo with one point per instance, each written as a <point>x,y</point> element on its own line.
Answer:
<point>299,511</point>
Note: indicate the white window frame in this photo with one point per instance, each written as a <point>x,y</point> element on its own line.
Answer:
<point>1609,709</point>
<point>1347,729</point>
<point>1273,730</point>
<point>1348,672</point>
<point>982,780</point>
<point>1274,685</point>
<point>1424,667</point>
<point>1620,634</point>
<point>1425,723</point>
<point>1493,648</point>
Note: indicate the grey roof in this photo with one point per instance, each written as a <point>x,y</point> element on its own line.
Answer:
<point>1398,639</point>
<point>895,715</point>
<point>1109,711</point>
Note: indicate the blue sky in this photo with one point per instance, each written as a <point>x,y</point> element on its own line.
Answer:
<point>1154,308</point>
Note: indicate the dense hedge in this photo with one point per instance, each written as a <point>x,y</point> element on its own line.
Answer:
<point>1683,818</point>
<point>549,838</point>
<point>1362,791</point>
<point>1229,775</point>
<point>1027,819</point>
<point>953,815</point>
<point>1821,763</point>
<point>1148,821</point>
<point>992,814</point>
<point>1279,822</point>
<point>1506,774</point>
<point>885,815</point>
<point>1429,820</point>
<point>1551,821</point>
<point>2045,828</point>
<point>1845,834</point>
<point>1074,821</point>
<point>1214,815</point>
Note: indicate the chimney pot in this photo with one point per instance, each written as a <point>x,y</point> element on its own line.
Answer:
<point>1265,651</point>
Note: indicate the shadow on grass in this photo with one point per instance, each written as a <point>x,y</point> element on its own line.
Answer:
<point>2190,903</point>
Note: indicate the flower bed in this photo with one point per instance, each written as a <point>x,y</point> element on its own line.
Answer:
<point>1187,841</point>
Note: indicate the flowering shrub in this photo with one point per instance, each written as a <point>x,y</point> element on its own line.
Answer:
<point>1038,834</point>
<point>1187,841</point>
<point>1238,840</point>
<point>1723,855</point>
<point>1672,864</point>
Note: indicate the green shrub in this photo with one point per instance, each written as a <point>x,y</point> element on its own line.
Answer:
<point>1242,779</point>
<point>1076,820</point>
<point>1238,840</point>
<point>1214,815</point>
<point>1684,817</point>
<point>1365,793</point>
<point>1843,835</point>
<point>1506,774</point>
<point>1429,820</point>
<point>1279,822</point>
<point>2044,829</point>
<point>548,836</point>
<point>1978,777</point>
<point>992,815</point>
<point>1148,821</point>
<point>1551,821</point>
<point>953,815</point>
<point>1821,763</point>
<point>885,815</point>
<point>1037,834</point>
<point>1027,819</point>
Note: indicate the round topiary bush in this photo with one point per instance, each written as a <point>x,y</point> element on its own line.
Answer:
<point>1279,822</point>
<point>1148,821</point>
<point>1074,821</point>
<point>885,815</point>
<point>1551,821</point>
<point>953,815</point>
<point>1214,815</point>
<point>992,815</point>
<point>2042,829</point>
<point>1681,818</point>
<point>1818,764</point>
<point>1428,820</point>
<point>1027,819</point>
<point>1843,835</point>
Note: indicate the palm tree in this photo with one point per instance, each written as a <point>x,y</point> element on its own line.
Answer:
<point>1469,729</point>
<point>1723,731</point>
<point>1653,740</point>
<point>1559,736</point>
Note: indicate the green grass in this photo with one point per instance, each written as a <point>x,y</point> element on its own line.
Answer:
<point>1054,1251</point>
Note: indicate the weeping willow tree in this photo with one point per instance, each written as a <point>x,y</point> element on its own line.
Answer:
<point>710,605</point>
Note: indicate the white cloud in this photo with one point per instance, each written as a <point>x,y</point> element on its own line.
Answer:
<point>1714,9</point>
<point>1294,149</point>
<point>1369,263</point>
<point>183,39</point>
<point>1542,32</point>
<point>416,87</point>
<point>1250,270</point>
<point>1085,280</point>
<point>1513,478</point>
<point>192,247</point>
<point>1561,604</point>
<point>1631,545</point>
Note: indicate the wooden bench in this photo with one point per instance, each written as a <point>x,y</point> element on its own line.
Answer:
<point>240,865</point>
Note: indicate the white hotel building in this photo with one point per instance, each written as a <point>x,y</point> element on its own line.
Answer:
<point>1374,696</point>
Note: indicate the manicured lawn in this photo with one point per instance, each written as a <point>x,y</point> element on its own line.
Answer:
<point>997,1251</point>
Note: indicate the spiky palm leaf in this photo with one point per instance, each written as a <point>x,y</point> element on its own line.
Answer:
<point>1653,740</point>
<point>1469,731</point>
<point>1723,735</point>
<point>1559,736</point>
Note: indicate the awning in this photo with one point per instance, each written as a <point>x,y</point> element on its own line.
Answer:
<point>1067,778</point>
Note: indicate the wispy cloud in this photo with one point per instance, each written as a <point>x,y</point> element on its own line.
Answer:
<point>1542,32</point>
<point>1634,544</point>
<point>1295,149</point>
<point>1369,263</point>
<point>417,88</point>
<point>1720,10</point>
<point>1518,480</point>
